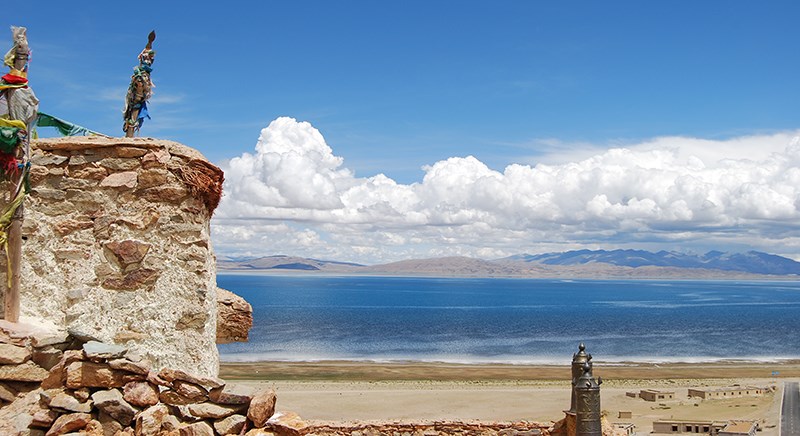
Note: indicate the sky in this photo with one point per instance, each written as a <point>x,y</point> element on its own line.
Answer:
<point>372,132</point>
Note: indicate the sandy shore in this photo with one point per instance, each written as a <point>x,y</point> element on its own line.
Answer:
<point>364,391</point>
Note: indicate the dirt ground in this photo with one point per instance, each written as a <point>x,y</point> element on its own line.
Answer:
<point>364,391</point>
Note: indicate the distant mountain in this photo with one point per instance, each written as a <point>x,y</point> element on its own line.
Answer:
<point>280,262</point>
<point>631,264</point>
<point>754,262</point>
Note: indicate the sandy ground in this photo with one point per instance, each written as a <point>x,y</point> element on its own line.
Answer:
<point>356,391</point>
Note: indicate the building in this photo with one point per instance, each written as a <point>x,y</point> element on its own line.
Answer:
<point>656,395</point>
<point>713,428</point>
<point>626,428</point>
<point>674,426</point>
<point>652,395</point>
<point>625,414</point>
<point>727,392</point>
<point>739,428</point>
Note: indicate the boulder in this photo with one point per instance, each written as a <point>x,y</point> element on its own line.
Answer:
<point>194,392</point>
<point>149,421</point>
<point>111,426</point>
<point>197,429</point>
<point>234,317</point>
<point>262,407</point>
<point>111,402</point>
<point>140,393</point>
<point>67,403</point>
<point>69,423</point>
<point>287,424</point>
<point>58,373</point>
<point>230,425</point>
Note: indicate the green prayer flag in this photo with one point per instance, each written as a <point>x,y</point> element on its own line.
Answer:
<point>64,127</point>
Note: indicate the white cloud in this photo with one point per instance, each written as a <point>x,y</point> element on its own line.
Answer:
<point>666,193</point>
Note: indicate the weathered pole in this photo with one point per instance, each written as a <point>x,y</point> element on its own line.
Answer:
<point>140,89</point>
<point>25,110</point>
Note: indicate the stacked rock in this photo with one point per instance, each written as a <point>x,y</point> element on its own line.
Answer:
<point>27,353</point>
<point>103,389</point>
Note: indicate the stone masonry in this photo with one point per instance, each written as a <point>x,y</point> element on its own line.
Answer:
<point>116,246</point>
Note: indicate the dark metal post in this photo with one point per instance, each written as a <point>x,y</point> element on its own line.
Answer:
<point>587,404</point>
<point>578,359</point>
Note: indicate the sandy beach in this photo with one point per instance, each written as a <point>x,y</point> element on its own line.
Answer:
<point>413,391</point>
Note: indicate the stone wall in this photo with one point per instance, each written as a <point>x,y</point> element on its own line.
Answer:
<point>117,248</point>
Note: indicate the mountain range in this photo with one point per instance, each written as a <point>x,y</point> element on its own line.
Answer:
<point>570,264</point>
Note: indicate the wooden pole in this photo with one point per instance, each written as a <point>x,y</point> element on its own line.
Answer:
<point>130,130</point>
<point>11,301</point>
<point>15,257</point>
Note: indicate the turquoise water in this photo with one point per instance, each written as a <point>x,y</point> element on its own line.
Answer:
<point>514,320</point>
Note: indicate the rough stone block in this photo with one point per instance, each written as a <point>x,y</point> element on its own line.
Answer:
<point>171,374</point>
<point>142,368</point>
<point>142,394</point>
<point>99,351</point>
<point>214,411</point>
<point>44,418</point>
<point>134,280</point>
<point>7,393</point>
<point>111,402</point>
<point>231,394</point>
<point>230,425</point>
<point>234,317</point>
<point>25,372</point>
<point>13,354</point>
<point>67,403</point>
<point>262,408</point>
<point>287,424</point>
<point>197,429</point>
<point>127,252</point>
<point>69,423</point>
<point>149,421</point>
<point>190,390</point>
<point>173,398</point>
<point>97,375</point>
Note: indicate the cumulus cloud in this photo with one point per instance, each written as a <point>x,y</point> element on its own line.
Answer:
<point>293,195</point>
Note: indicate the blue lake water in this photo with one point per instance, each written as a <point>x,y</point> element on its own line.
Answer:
<point>514,320</point>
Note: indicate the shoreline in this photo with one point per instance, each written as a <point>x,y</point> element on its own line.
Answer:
<point>589,276</point>
<point>342,370</point>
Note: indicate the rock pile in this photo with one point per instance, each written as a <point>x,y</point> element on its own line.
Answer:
<point>102,389</point>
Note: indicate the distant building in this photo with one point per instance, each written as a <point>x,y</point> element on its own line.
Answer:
<point>673,426</point>
<point>727,392</point>
<point>625,414</point>
<point>625,427</point>
<point>652,395</point>
<point>713,428</point>
<point>739,428</point>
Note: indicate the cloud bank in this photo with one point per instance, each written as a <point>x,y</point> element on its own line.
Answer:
<point>293,195</point>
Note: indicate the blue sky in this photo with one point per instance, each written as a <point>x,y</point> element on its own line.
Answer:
<point>398,88</point>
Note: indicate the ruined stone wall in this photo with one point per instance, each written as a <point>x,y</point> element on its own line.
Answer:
<point>117,247</point>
